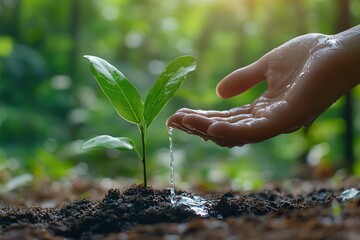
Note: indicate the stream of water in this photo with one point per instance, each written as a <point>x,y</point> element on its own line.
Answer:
<point>194,203</point>
<point>172,175</point>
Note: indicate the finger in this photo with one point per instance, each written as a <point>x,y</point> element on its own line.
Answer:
<point>233,119</point>
<point>191,126</point>
<point>198,125</point>
<point>242,79</point>
<point>175,121</point>
<point>226,142</point>
<point>213,113</point>
<point>244,131</point>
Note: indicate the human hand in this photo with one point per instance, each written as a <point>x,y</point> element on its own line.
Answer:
<point>304,76</point>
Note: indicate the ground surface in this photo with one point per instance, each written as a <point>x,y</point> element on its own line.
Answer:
<point>312,210</point>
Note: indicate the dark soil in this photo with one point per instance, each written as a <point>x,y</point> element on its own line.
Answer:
<point>139,213</point>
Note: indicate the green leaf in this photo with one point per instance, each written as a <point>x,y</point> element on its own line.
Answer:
<point>105,141</point>
<point>166,85</point>
<point>122,94</point>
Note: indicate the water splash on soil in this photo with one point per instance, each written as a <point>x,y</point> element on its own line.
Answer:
<point>194,203</point>
<point>350,194</point>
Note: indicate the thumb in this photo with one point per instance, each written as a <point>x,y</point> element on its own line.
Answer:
<point>242,79</point>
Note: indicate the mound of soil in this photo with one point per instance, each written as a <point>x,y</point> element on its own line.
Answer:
<point>139,213</point>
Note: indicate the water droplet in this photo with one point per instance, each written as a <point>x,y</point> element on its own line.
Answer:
<point>349,194</point>
<point>219,216</point>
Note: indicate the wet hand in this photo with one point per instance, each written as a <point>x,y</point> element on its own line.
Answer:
<point>302,81</point>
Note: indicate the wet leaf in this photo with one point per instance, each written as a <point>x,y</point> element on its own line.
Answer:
<point>166,85</point>
<point>106,141</point>
<point>122,94</point>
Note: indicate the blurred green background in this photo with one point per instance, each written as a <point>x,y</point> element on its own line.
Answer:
<point>50,103</point>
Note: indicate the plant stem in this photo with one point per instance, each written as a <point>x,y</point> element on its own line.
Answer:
<point>143,160</point>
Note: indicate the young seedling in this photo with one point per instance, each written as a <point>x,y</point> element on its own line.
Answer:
<point>127,101</point>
